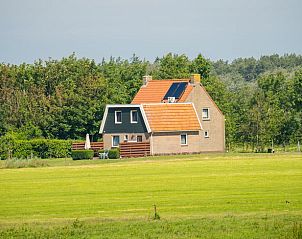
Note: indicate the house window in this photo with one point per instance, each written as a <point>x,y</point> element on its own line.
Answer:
<point>206,134</point>
<point>183,139</point>
<point>205,114</point>
<point>133,116</point>
<point>126,138</point>
<point>118,117</point>
<point>115,140</point>
<point>139,138</point>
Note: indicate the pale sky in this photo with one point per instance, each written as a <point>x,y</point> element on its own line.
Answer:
<point>218,29</point>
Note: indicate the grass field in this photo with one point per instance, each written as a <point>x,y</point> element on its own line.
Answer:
<point>206,196</point>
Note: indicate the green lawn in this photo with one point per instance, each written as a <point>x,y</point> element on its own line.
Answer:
<point>207,196</point>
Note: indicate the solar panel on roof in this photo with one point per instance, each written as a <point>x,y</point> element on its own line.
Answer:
<point>171,90</point>
<point>180,89</point>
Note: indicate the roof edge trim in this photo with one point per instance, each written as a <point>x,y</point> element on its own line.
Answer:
<point>103,120</point>
<point>145,119</point>
<point>197,116</point>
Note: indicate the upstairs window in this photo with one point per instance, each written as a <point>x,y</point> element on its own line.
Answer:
<point>183,139</point>
<point>206,134</point>
<point>205,114</point>
<point>118,117</point>
<point>133,116</point>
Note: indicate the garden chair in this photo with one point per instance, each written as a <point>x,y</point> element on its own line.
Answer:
<point>104,155</point>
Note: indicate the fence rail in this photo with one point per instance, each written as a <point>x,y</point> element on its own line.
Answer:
<point>95,146</point>
<point>140,149</point>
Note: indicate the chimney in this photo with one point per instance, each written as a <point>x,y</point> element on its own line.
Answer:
<point>195,79</point>
<point>146,79</point>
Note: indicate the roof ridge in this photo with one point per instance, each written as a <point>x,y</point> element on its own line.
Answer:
<point>161,103</point>
<point>172,79</point>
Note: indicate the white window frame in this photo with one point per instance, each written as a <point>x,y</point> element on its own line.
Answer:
<point>203,118</point>
<point>131,118</point>
<point>115,146</point>
<point>115,116</point>
<point>206,134</point>
<point>186,139</point>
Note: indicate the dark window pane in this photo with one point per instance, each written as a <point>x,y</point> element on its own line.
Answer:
<point>134,116</point>
<point>118,116</point>
<point>183,139</point>
<point>139,138</point>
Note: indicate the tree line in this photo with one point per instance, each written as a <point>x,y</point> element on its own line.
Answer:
<point>65,99</point>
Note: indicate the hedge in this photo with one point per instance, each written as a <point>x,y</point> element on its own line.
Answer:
<point>82,154</point>
<point>42,148</point>
<point>6,147</point>
<point>52,148</point>
<point>24,149</point>
<point>114,154</point>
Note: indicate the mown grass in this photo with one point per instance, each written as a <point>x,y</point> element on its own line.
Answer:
<point>206,196</point>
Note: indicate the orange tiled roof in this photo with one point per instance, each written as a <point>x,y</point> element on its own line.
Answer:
<point>172,117</point>
<point>155,91</point>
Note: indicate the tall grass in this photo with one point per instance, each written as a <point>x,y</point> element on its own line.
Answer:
<point>24,163</point>
<point>233,227</point>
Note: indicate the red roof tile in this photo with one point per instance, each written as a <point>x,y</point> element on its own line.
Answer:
<point>172,117</point>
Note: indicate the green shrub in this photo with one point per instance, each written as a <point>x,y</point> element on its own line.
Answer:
<point>39,146</point>
<point>23,149</point>
<point>82,154</point>
<point>114,154</point>
<point>58,148</point>
<point>42,148</point>
<point>6,147</point>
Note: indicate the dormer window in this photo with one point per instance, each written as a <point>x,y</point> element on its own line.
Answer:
<point>118,117</point>
<point>205,114</point>
<point>133,116</point>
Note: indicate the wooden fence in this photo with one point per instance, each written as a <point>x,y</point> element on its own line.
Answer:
<point>95,146</point>
<point>129,149</point>
<point>76,146</point>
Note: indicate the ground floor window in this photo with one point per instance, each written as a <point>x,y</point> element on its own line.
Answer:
<point>126,138</point>
<point>183,139</point>
<point>115,140</point>
<point>139,138</point>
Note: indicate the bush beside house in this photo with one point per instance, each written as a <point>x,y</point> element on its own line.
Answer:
<point>82,154</point>
<point>114,154</point>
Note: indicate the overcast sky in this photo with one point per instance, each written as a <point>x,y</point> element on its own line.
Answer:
<point>219,29</point>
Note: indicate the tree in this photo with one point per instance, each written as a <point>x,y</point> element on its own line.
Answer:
<point>171,66</point>
<point>200,66</point>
